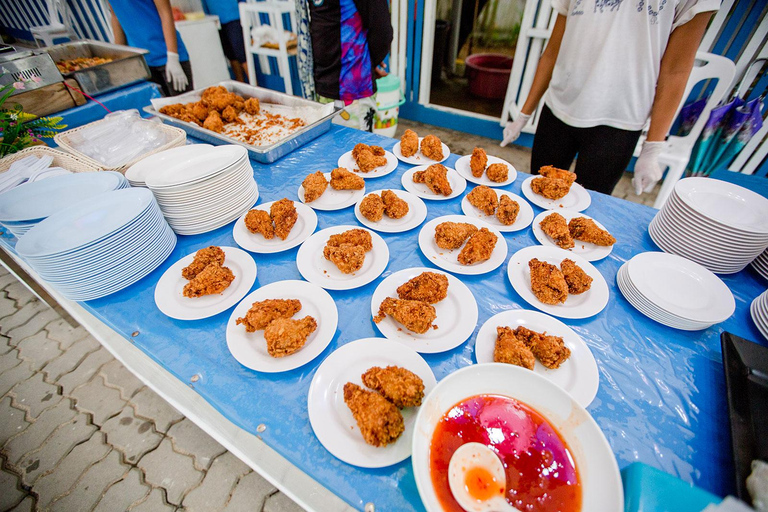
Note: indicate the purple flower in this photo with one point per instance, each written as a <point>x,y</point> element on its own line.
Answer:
<point>18,85</point>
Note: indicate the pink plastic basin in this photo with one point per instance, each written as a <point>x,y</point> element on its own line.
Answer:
<point>488,74</point>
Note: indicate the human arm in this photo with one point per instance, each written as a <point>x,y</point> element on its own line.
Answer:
<point>174,74</point>
<point>377,21</point>
<point>117,30</point>
<point>540,83</point>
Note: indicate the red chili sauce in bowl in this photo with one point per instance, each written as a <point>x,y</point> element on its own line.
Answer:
<point>541,473</point>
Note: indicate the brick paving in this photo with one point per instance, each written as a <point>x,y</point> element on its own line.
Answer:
<point>78,432</point>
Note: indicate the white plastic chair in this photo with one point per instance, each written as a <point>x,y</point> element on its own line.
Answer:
<point>48,34</point>
<point>677,151</point>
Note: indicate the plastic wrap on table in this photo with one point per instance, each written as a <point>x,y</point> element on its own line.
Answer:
<point>661,399</point>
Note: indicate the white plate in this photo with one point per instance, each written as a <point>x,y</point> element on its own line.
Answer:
<point>680,286</point>
<point>255,242</point>
<point>599,474</point>
<point>458,184</point>
<point>462,167</point>
<point>578,375</point>
<point>333,199</point>
<point>417,212</point>
<point>331,419</point>
<point>729,204</point>
<point>583,305</point>
<point>316,269</point>
<point>586,250</point>
<point>169,290</point>
<point>347,162</point>
<point>196,166</point>
<point>138,172</point>
<point>447,259</point>
<point>250,348</point>
<point>523,220</point>
<point>456,314</point>
<point>419,158</point>
<point>578,199</point>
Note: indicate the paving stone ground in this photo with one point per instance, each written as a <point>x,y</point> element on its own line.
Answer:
<point>78,432</point>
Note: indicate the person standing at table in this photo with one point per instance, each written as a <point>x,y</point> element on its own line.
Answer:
<point>231,34</point>
<point>149,24</point>
<point>350,40</point>
<point>608,66</point>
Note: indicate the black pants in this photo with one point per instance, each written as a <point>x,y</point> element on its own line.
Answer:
<point>604,151</point>
<point>158,76</point>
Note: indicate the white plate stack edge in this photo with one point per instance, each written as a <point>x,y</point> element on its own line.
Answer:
<point>759,311</point>
<point>760,264</point>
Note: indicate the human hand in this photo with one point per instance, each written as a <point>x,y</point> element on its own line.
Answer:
<point>381,70</point>
<point>174,74</point>
<point>513,129</point>
<point>647,168</point>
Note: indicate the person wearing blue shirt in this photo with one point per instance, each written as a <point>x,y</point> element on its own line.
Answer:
<point>149,24</point>
<point>231,34</point>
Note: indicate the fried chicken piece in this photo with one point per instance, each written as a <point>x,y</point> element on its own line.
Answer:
<point>283,214</point>
<point>372,207</point>
<point>578,280</point>
<point>477,162</point>
<point>497,172</point>
<point>238,105</point>
<point>550,171</point>
<point>451,235</point>
<point>212,279</point>
<point>229,114</point>
<point>551,188</point>
<point>584,229</point>
<point>213,122</point>
<point>259,221</point>
<point>436,179</point>
<point>409,143</point>
<point>342,179</point>
<point>484,198</point>
<point>210,92</point>
<point>286,336</point>
<point>379,421</point>
<point>314,186</point>
<point>555,227</point>
<point>429,287</point>
<point>201,260</point>
<point>186,116</point>
<point>356,236</point>
<point>432,148</point>
<point>394,207</point>
<point>262,313</point>
<point>219,102</point>
<point>367,161</point>
<point>511,350</point>
<point>358,148</point>
<point>547,282</point>
<point>377,150</point>
<point>198,110</point>
<point>507,211</point>
<point>479,247</point>
<point>550,350</point>
<point>252,106</point>
<point>419,176</point>
<point>400,386</point>
<point>348,258</point>
<point>414,315</point>
<point>173,110</point>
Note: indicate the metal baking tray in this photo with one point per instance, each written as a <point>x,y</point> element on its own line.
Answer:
<point>316,126</point>
<point>746,381</point>
<point>127,67</point>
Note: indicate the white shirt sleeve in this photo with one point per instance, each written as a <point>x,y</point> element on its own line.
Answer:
<point>561,6</point>
<point>687,9</point>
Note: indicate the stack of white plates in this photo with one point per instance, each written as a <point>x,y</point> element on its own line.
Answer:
<point>715,223</point>
<point>23,207</point>
<point>759,310</point>
<point>760,264</point>
<point>205,191</point>
<point>674,291</point>
<point>99,246</point>
<point>180,156</point>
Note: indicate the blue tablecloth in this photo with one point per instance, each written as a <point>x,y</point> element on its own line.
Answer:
<point>662,393</point>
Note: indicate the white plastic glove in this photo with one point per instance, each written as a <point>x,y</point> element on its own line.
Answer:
<point>513,129</point>
<point>174,74</point>
<point>647,168</point>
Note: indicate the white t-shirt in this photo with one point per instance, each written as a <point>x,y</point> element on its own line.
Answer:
<point>609,59</point>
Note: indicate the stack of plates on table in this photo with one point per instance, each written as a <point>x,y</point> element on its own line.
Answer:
<point>759,311</point>
<point>714,223</point>
<point>180,156</point>
<point>99,246</point>
<point>760,264</point>
<point>674,291</point>
<point>23,207</point>
<point>205,191</point>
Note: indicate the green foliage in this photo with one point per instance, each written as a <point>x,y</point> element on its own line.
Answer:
<point>19,129</point>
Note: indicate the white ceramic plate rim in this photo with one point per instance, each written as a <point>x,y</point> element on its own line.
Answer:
<point>347,162</point>
<point>417,212</point>
<point>586,250</point>
<point>349,197</point>
<point>255,242</point>
<point>578,195</point>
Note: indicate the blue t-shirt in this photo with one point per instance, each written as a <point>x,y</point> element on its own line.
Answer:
<point>143,29</point>
<point>226,10</point>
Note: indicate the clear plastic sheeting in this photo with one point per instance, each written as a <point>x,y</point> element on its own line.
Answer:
<point>662,394</point>
<point>120,138</point>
